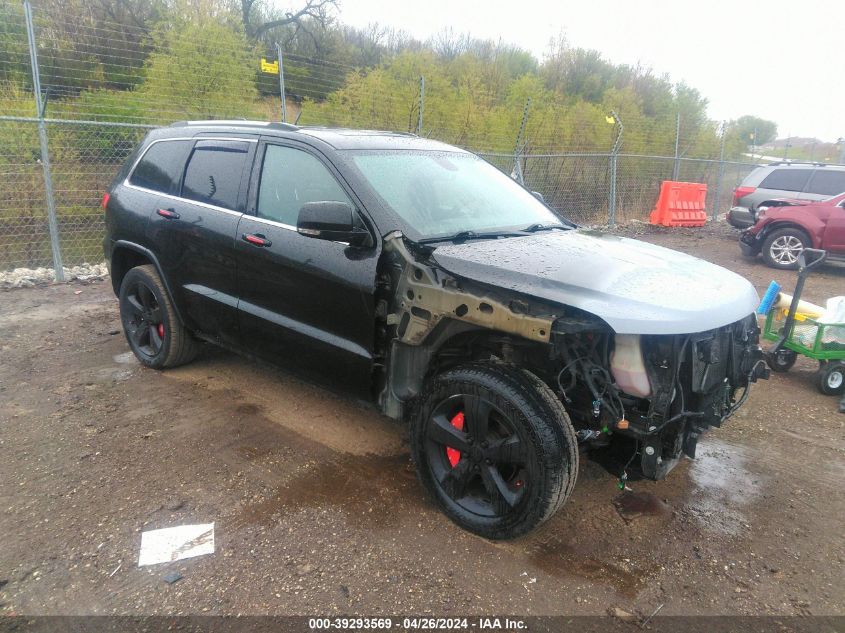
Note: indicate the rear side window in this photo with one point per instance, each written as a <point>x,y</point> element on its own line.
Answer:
<point>827,183</point>
<point>214,172</point>
<point>787,179</point>
<point>289,179</point>
<point>160,168</point>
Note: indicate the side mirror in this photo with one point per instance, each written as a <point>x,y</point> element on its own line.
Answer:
<point>539,196</point>
<point>333,221</point>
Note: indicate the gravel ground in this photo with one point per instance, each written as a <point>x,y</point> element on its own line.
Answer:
<point>31,277</point>
<point>317,509</point>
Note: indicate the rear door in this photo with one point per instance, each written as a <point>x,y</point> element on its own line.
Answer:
<point>824,183</point>
<point>304,302</point>
<point>783,182</point>
<point>196,233</point>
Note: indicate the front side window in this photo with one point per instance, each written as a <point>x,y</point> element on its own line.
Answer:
<point>214,172</point>
<point>160,168</point>
<point>787,179</point>
<point>291,178</point>
<point>443,193</point>
<point>827,183</point>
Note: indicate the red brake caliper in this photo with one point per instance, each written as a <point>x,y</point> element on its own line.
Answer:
<point>453,454</point>
<point>161,330</point>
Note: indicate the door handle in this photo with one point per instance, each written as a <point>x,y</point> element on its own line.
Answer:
<point>168,214</point>
<point>256,239</point>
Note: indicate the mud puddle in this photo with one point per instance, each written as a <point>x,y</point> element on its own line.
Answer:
<point>632,505</point>
<point>723,486</point>
<point>563,559</point>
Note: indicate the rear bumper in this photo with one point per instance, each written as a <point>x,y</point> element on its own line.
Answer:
<point>740,217</point>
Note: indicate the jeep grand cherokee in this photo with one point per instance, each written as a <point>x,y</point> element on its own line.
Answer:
<point>422,278</point>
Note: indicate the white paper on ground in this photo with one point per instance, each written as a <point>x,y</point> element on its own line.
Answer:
<point>176,543</point>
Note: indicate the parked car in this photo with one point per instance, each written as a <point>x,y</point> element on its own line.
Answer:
<point>418,276</point>
<point>788,182</point>
<point>781,233</point>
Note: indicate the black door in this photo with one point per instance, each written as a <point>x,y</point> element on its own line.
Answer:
<point>303,302</point>
<point>196,232</point>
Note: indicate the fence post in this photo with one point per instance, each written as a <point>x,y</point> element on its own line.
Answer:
<point>420,106</point>
<point>517,148</point>
<point>676,169</point>
<point>40,108</point>
<point>614,153</point>
<point>282,82</point>
<point>715,213</point>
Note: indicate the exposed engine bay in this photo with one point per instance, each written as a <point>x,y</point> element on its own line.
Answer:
<point>665,393</point>
<point>663,390</point>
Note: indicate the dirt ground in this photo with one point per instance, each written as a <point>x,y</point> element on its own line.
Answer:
<point>317,509</point>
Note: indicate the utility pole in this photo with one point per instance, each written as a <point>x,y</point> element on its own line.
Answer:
<point>420,106</point>
<point>715,209</point>
<point>676,170</point>
<point>41,109</point>
<point>282,83</point>
<point>520,142</point>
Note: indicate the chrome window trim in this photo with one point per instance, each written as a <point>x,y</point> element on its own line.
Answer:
<point>178,199</point>
<point>281,225</point>
<point>126,182</point>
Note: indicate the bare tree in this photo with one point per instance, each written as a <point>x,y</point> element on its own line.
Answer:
<point>256,24</point>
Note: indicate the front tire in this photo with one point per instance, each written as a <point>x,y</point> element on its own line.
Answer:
<point>154,333</point>
<point>495,448</point>
<point>783,246</point>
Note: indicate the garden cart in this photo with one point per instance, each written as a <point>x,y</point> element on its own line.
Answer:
<point>795,333</point>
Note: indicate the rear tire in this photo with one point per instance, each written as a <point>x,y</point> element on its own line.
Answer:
<point>154,333</point>
<point>781,362</point>
<point>830,378</point>
<point>495,448</point>
<point>783,246</point>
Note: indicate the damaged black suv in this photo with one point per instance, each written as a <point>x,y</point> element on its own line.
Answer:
<point>420,277</point>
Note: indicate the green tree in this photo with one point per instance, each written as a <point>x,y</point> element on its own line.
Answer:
<point>201,67</point>
<point>755,131</point>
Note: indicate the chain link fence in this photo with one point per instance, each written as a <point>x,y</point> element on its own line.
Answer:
<point>69,121</point>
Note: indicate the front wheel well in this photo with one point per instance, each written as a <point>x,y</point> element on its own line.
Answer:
<point>452,343</point>
<point>777,226</point>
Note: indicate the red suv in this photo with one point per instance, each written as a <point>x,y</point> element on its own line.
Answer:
<point>782,232</point>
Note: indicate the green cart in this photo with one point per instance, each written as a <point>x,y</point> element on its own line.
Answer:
<point>795,333</point>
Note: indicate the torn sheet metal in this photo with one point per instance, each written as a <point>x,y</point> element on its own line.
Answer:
<point>176,543</point>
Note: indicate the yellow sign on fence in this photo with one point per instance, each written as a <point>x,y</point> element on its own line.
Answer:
<point>269,67</point>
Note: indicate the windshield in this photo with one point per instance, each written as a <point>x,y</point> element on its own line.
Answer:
<point>444,193</point>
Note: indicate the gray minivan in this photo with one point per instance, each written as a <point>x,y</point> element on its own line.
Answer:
<point>799,181</point>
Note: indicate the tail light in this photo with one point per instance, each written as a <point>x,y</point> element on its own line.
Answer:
<point>741,192</point>
<point>105,202</point>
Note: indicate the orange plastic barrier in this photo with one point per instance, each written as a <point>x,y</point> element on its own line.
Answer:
<point>680,204</point>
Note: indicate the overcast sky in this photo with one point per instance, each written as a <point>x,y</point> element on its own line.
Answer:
<point>781,60</point>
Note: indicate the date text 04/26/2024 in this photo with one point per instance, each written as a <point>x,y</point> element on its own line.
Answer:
<point>418,624</point>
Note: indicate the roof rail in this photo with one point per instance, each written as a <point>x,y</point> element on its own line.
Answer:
<point>789,161</point>
<point>212,122</point>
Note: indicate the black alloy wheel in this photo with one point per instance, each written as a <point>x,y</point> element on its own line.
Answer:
<point>154,333</point>
<point>495,448</point>
<point>143,320</point>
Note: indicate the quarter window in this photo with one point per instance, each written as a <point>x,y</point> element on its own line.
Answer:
<point>214,172</point>
<point>827,183</point>
<point>291,178</point>
<point>787,179</point>
<point>160,169</point>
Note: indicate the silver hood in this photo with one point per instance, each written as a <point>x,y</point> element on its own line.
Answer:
<point>637,288</point>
